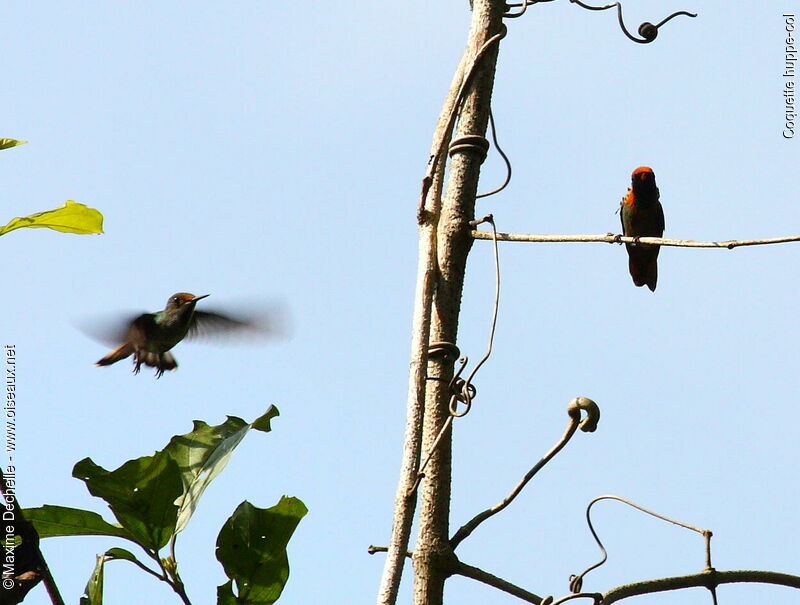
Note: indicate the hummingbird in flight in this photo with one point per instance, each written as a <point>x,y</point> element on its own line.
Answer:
<point>150,336</point>
<point>642,216</point>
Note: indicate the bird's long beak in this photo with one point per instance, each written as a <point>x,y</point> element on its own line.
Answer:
<point>196,298</point>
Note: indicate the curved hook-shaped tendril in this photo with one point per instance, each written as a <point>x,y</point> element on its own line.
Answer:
<point>647,30</point>
<point>463,390</point>
<point>523,6</point>
<point>576,582</point>
<point>587,425</point>
<point>465,394</point>
<point>495,308</point>
<point>502,155</point>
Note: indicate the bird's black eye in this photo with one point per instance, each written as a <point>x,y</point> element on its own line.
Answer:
<point>176,300</point>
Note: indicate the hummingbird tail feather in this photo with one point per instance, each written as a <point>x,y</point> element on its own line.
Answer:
<point>163,361</point>
<point>643,267</point>
<point>652,275</point>
<point>121,352</point>
<point>168,362</point>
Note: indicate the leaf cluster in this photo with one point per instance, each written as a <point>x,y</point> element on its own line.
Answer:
<point>154,497</point>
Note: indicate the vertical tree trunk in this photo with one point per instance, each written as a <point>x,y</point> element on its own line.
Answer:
<point>444,244</point>
<point>432,553</point>
<point>405,498</point>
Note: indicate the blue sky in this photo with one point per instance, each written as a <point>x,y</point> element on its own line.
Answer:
<point>273,151</point>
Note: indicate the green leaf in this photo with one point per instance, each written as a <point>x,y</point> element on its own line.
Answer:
<point>93,593</point>
<point>202,454</point>
<point>121,554</point>
<point>141,493</point>
<point>225,594</point>
<point>7,143</point>
<point>251,547</point>
<point>114,554</point>
<point>72,217</point>
<point>262,422</point>
<point>53,521</point>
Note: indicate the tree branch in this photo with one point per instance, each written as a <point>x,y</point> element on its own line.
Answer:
<point>709,579</point>
<point>610,238</point>
<point>428,216</point>
<point>433,555</point>
<point>29,545</point>
<point>588,425</point>
<point>468,571</point>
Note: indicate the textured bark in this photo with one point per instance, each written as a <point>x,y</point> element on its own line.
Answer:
<point>444,243</point>
<point>405,500</point>
<point>433,556</point>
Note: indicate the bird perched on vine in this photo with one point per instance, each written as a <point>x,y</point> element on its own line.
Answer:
<point>150,336</point>
<point>642,216</point>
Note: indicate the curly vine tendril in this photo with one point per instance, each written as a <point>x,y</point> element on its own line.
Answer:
<point>647,30</point>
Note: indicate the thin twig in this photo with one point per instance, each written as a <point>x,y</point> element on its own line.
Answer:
<point>588,424</point>
<point>610,238</point>
<point>136,562</point>
<point>171,577</point>
<point>468,571</point>
<point>372,549</point>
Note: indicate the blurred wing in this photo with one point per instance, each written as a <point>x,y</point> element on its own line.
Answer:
<point>209,324</point>
<point>110,330</point>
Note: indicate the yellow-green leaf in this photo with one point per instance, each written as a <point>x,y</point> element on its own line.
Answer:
<point>6,143</point>
<point>72,217</point>
<point>93,593</point>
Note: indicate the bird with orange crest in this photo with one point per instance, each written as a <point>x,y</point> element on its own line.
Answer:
<point>642,216</point>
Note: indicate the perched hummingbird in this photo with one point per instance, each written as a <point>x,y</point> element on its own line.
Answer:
<point>642,216</point>
<point>150,336</point>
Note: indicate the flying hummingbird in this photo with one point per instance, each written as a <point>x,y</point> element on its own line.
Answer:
<point>642,216</point>
<point>150,336</point>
